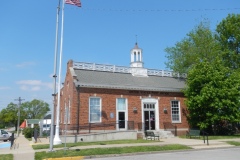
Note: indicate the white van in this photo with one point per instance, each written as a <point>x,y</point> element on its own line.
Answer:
<point>4,136</point>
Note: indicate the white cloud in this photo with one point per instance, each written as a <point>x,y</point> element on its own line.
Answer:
<point>30,82</point>
<point>4,88</point>
<point>35,88</point>
<point>25,64</point>
<point>34,85</point>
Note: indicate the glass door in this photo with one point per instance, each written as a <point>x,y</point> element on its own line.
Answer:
<point>121,113</point>
<point>121,120</point>
<point>149,120</point>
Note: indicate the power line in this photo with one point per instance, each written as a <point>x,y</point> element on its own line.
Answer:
<point>156,10</point>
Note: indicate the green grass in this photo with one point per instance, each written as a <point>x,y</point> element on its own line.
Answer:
<point>216,137</point>
<point>46,146</point>
<point>233,143</point>
<point>6,156</point>
<point>104,151</point>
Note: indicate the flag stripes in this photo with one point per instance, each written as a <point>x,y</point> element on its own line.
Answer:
<point>73,2</point>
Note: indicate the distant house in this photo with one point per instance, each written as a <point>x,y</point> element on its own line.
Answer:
<point>43,124</point>
<point>122,98</point>
<point>30,123</point>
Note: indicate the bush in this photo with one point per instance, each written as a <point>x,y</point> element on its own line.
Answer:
<point>28,132</point>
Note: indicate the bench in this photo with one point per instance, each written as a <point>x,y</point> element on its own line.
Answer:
<point>193,133</point>
<point>150,134</point>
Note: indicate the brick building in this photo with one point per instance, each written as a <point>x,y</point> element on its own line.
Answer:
<point>122,98</point>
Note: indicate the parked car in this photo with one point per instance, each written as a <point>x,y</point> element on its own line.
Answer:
<point>4,135</point>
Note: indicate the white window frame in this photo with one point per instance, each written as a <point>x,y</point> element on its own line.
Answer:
<point>100,108</point>
<point>122,110</point>
<point>69,111</point>
<point>179,111</point>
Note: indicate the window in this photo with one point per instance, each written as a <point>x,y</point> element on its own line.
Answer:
<point>175,111</point>
<point>121,104</point>
<point>69,110</point>
<point>95,110</point>
<point>149,106</point>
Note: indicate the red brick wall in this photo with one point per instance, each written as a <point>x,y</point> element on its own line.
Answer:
<point>109,96</point>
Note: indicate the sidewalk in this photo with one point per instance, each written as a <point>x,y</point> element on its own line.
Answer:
<point>22,151</point>
<point>25,152</point>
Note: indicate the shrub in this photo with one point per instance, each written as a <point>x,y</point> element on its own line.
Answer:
<point>28,132</point>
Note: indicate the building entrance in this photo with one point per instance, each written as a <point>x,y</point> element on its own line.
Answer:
<point>121,120</point>
<point>149,116</point>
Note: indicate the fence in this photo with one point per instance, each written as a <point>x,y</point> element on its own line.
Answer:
<point>168,126</point>
<point>96,127</point>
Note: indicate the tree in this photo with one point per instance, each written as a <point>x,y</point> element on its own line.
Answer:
<point>200,43</point>
<point>228,36</point>
<point>35,109</point>
<point>9,116</point>
<point>213,95</point>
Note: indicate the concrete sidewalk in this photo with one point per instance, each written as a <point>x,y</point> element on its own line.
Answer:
<point>24,151</point>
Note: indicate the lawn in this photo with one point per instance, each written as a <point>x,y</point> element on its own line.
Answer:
<point>6,156</point>
<point>233,143</point>
<point>104,151</point>
<point>211,137</point>
<point>46,146</point>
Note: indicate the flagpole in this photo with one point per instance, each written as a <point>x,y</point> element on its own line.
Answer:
<point>55,78</point>
<point>57,139</point>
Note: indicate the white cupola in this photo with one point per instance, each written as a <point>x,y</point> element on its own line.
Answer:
<point>136,57</point>
<point>137,62</point>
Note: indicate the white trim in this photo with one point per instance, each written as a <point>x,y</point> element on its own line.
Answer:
<point>126,113</point>
<point>157,116</point>
<point>123,69</point>
<point>179,109</point>
<point>89,120</point>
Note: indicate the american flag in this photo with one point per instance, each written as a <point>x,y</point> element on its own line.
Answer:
<point>73,2</point>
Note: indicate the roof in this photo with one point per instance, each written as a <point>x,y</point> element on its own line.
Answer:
<point>117,80</point>
<point>33,121</point>
<point>47,116</point>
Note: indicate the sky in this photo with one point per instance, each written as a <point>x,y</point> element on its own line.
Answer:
<point>101,31</point>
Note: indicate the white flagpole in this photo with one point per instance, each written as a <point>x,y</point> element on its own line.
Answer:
<point>57,139</point>
<point>55,77</point>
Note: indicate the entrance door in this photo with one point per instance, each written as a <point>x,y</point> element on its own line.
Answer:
<point>121,120</point>
<point>149,116</point>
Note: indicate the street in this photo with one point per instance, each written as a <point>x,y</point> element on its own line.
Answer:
<point>210,154</point>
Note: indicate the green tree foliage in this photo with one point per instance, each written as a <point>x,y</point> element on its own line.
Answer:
<point>200,43</point>
<point>230,27</point>
<point>9,116</point>
<point>35,109</point>
<point>213,95</point>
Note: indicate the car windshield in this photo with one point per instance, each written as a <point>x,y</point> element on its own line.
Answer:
<point>4,132</point>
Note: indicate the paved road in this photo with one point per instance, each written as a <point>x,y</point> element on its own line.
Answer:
<point>212,154</point>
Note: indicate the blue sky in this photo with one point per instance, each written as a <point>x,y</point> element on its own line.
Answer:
<point>101,31</point>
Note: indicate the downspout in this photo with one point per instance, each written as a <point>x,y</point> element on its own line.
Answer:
<point>78,109</point>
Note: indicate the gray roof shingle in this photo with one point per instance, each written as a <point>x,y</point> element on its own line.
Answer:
<point>113,80</point>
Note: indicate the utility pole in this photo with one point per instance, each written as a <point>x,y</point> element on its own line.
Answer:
<point>19,105</point>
